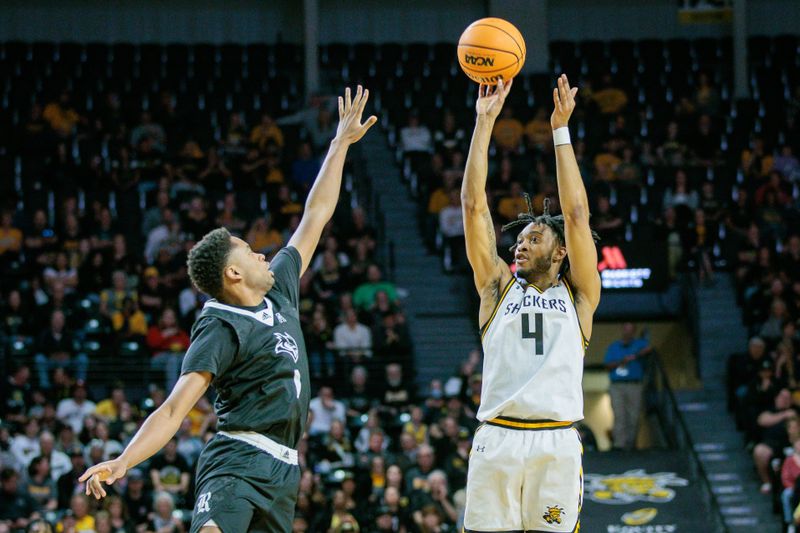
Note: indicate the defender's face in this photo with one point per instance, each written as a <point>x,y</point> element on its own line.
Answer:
<point>253,267</point>
<point>535,249</point>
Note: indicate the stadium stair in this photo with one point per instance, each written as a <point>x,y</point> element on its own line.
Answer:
<point>437,303</point>
<point>717,442</point>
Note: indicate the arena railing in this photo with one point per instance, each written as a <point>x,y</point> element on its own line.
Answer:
<point>660,399</point>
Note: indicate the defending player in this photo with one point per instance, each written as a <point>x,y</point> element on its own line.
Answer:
<point>248,342</point>
<point>525,468</point>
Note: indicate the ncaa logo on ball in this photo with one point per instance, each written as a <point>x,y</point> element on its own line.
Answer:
<point>478,61</point>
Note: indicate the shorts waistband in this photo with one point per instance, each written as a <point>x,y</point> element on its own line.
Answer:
<point>263,443</point>
<point>516,423</point>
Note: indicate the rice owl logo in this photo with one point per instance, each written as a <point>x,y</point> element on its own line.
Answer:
<point>552,515</point>
<point>478,61</point>
<point>632,486</point>
<point>203,502</point>
<point>286,345</point>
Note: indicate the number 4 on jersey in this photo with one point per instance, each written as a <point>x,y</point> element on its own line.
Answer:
<point>537,332</point>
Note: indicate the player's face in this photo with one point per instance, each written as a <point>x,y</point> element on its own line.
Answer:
<point>536,250</point>
<point>253,267</point>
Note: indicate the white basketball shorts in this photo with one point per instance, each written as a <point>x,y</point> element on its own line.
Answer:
<point>524,476</point>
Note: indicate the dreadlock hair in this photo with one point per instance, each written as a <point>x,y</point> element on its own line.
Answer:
<point>207,260</point>
<point>554,222</point>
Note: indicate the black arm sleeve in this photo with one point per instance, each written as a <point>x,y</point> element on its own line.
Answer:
<point>286,267</point>
<point>213,348</point>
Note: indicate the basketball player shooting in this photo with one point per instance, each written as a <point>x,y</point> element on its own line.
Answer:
<point>248,342</point>
<point>525,470</point>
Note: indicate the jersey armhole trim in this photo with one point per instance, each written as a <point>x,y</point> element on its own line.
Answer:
<point>497,306</point>
<point>584,340</point>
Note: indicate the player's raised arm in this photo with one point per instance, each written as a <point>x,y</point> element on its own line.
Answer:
<point>489,271</point>
<point>324,195</point>
<point>575,207</point>
<point>156,431</point>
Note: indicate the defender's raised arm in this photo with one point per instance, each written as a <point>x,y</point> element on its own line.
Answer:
<point>324,194</point>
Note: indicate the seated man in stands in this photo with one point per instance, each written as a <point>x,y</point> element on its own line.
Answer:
<point>774,437</point>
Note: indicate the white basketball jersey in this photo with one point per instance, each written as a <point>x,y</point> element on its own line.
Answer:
<point>533,350</point>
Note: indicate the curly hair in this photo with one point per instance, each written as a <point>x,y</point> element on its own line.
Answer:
<point>207,260</point>
<point>554,222</point>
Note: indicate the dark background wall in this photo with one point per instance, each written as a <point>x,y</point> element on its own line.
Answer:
<point>358,20</point>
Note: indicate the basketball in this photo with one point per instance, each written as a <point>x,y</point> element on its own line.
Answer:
<point>491,49</point>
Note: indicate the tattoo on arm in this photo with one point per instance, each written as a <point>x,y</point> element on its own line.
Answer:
<point>492,238</point>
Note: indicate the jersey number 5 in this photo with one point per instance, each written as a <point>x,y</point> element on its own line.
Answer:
<point>536,332</point>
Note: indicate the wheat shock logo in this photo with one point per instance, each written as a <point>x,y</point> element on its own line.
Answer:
<point>640,517</point>
<point>553,514</point>
<point>632,486</point>
<point>479,61</point>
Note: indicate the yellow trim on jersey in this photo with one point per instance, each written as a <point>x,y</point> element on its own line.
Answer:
<point>540,291</point>
<point>528,425</point>
<point>572,299</point>
<point>497,307</point>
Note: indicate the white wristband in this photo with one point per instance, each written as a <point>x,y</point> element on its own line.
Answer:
<point>561,136</point>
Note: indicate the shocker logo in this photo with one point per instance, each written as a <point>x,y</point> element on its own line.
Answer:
<point>553,515</point>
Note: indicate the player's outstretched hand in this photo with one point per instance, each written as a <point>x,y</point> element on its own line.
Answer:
<point>108,472</point>
<point>490,99</point>
<point>350,128</point>
<point>564,101</point>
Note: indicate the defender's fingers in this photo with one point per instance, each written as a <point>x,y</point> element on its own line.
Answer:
<point>347,101</point>
<point>341,108</point>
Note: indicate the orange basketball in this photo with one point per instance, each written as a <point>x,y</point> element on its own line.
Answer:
<point>491,49</point>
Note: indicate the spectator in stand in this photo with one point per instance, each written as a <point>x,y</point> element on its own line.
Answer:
<point>607,222</point>
<point>623,360</point>
<point>451,226</point>
<point>787,164</point>
<point>163,520</point>
<point>774,438</point>
<point>508,131</point>
<point>262,238</point>
<point>539,132</point>
<point>130,323</point>
<point>40,486</point>
<point>75,409</point>
<point>352,339</point>
<point>266,132</point>
<point>398,394</point>
<point>10,239</point>
<point>168,344</point>
<point>610,100</point>
<point>416,141</point>
<point>137,497</point>
<point>59,463</point>
<point>55,348</point>
<point>62,116</point>
<point>790,472</point>
<point>325,409</point>
<point>16,506</point>
<point>320,346</point>
<point>170,473</point>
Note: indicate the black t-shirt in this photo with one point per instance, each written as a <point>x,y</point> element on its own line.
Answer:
<point>169,471</point>
<point>16,505</point>
<point>258,358</point>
